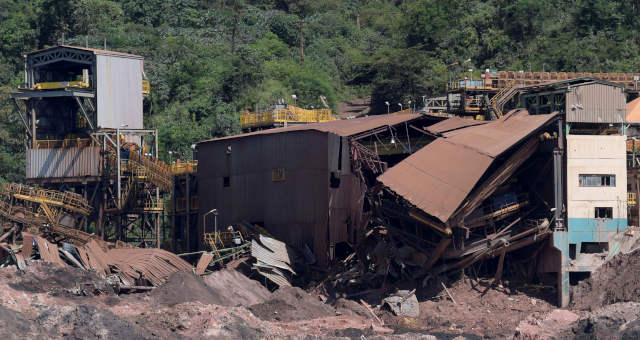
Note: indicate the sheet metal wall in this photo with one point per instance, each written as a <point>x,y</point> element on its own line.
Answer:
<point>63,162</point>
<point>119,92</point>
<point>596,103</point>
<point>347,200</point>
<point>294,211</point>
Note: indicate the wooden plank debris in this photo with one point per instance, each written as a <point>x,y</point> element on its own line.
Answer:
<point>203,263</point>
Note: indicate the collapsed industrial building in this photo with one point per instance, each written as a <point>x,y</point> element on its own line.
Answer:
<point>548,182</point>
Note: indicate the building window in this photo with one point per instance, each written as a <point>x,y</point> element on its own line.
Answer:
<point>604,212</point>
<point>226,181</point>
<point>597,180</point>
<point>278,175</point>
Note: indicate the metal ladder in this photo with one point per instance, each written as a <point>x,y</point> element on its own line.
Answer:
<point>498,101</point>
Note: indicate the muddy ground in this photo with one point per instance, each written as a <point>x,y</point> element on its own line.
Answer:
<point>604,306</point>
<point>52,302</point>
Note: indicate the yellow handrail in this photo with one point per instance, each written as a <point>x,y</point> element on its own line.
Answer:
<point>53,85</point>
<point>291,114</point>
<point>403,112</point>
<point>62,143</point>
<point>184,167</point>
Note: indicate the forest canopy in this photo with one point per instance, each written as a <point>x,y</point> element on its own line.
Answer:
<point>208,61</point>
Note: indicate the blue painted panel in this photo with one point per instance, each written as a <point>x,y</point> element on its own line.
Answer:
<point>594,229</point>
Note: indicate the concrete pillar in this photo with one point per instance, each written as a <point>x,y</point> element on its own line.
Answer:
<point>561,242</point>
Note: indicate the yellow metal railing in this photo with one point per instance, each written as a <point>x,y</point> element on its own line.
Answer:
<point>68,200</point>
<point>291,114</point>
<point>184,168</point>
<point>632,199</point>
<point>154,205</point>
<point>62,143</point>
<point>146,87</point>
<point>223,239</point>
<point>403,112</point>
<point>54,85</point>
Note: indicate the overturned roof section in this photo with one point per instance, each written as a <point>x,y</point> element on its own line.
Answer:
<point>437,178</point>
<point>345,127</point>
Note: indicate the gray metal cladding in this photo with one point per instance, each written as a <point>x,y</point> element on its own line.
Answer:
<point>119,92</point>
<point>63,162</point>
<point>596,103</point>
<point>294,210</point>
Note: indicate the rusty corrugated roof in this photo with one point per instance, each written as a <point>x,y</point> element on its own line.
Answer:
<point>344,127</point>
<point>437,178</point>
<point>496,137</point>
<point>633,111</point>
<point>453,123</point>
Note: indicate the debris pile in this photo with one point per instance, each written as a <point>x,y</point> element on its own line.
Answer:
<point>618,280</point>
<point>32,308</point>
<point>55,215</point>
<point>132,268</point>
<point>476,192</point>
<point>604,306</point>
<point>273,260</point>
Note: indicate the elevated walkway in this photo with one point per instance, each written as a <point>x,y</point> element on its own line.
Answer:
<point>66,200</point>
<point>288,115</point>
<point>44,217</point>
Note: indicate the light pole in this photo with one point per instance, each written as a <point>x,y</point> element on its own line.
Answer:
<point>521,77</point>
<point>387,107</point>
<point>215,221</point>
<point>170,157</point>
<point>193,152</point>
<point>294,108</point>
<point>400,106</point>
<point>410,107</point>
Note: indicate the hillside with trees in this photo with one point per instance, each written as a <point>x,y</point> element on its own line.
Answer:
<point>208,61</point>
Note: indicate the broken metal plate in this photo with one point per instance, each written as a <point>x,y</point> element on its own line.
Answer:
<point>404,303</point>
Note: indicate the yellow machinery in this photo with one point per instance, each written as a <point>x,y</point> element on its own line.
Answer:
<point>146,87</point>
<point>290,114</point>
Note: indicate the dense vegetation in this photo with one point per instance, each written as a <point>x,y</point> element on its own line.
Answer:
<point>209,60</point>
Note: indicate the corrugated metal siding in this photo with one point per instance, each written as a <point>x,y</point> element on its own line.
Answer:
<point>63,162</point>
<point>596,103</point>
<point>119,92</point>
<point>295,211</point>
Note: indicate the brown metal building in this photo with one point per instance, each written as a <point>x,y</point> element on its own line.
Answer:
<point>298,181</point>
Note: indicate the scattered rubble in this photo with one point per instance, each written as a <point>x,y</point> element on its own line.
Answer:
<point>291,304</point>
<point>42,313</point>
